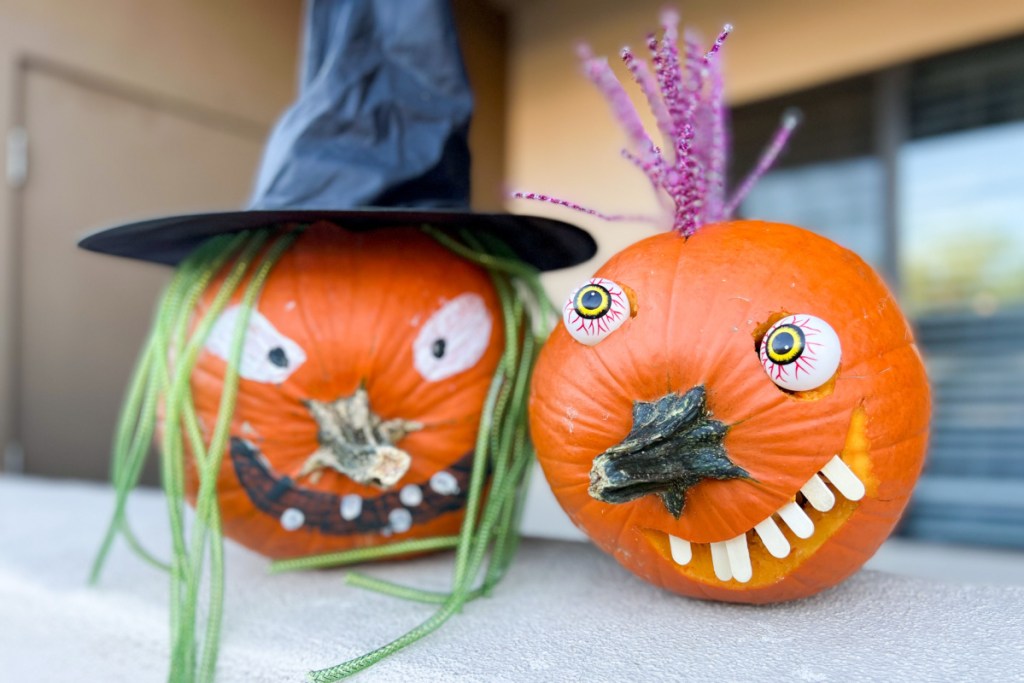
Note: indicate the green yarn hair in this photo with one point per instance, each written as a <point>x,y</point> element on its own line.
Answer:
<point>488,538</point>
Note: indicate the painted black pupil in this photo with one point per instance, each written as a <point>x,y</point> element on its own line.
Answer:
<point>278,357</point>
<point>591,300</point>
<point>783,343</point>
<point>438,348</point>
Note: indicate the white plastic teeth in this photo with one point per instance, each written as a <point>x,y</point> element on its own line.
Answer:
<point>843,478</point>
<point>682,553</point>
<point>731,559</point>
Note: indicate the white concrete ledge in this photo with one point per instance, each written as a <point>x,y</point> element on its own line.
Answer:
<point>566,612</point>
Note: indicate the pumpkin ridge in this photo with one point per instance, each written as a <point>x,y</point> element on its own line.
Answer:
<point>310,329</point>
<point>671,323</point>
<point>898,347</point>
<point>609,371</point>
<point>381,301</point>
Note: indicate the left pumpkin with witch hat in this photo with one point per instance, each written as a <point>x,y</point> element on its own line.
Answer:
<point>324,365</point>
<point>361,381</point>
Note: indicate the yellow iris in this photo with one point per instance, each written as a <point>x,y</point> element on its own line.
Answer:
<point>592,301</point>
<point>785,344</point>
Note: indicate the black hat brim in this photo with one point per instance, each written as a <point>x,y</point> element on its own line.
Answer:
<point>545,243</point>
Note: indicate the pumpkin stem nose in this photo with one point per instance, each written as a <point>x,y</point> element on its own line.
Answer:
<point>356,442</point>
<point>674,444</point>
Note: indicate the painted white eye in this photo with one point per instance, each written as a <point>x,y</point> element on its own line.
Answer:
<point>594,310</point>
<point>800,352</point>
<point>267,356</point>
<point>454,338</point>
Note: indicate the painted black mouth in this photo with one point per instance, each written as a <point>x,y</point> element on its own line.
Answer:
<point>276,495</point>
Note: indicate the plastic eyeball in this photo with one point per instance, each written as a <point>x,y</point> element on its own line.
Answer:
<point>800,352</point>
<point>595,309</point>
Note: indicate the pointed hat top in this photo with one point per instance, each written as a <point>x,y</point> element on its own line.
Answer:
<point>377,138</point>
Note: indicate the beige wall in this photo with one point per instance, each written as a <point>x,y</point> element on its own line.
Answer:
<point>562,138</point>
<point>232,56</point>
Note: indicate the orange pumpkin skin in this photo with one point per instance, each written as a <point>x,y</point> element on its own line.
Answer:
<point>700,305</point>
<point>355,303</point>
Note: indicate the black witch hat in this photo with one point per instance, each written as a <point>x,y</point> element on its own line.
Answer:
<point>377,139</point>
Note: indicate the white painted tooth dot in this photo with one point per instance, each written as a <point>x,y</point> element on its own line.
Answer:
<point>739,558</point>
<point>444,483</point>
<point>797,520</point>
<point>818,494</point>
<point>682,553</point>
<point>720,561</point>
<point>843,478</point>
<point>400,520</point>
<point>773,538</point>
<point>292,519</point>
<point>411,495</point>
<point>351,506</point>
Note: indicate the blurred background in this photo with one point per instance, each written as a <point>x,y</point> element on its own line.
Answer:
<point>911,153</point>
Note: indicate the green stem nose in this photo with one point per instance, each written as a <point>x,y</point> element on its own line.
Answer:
<point>674,444</point>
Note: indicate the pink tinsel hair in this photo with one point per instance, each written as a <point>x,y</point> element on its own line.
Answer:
<point>685,94</point>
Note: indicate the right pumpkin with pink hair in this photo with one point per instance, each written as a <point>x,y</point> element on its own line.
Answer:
<point>733,409</point>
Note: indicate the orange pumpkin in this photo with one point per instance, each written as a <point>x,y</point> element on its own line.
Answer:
<point>674,442</point>
<point>362,382</point>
